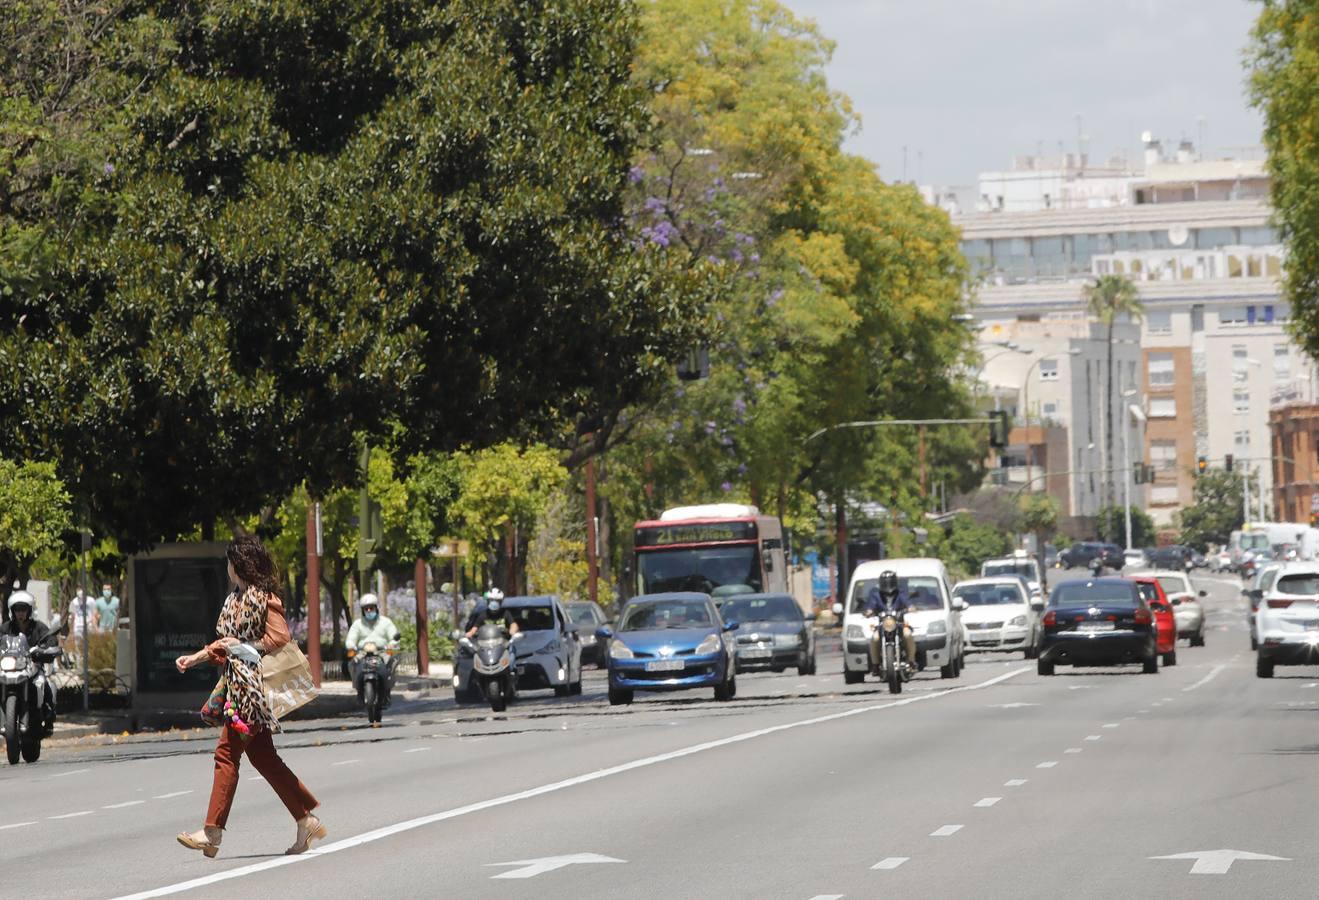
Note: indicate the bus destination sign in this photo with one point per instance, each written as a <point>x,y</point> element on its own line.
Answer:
<point>695,533</point>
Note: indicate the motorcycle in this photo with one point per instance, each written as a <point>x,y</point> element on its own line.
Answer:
<point>374,677</point>
<point>1097,566</point>
<point>893,666</point>
<point>27,702</point>
<point>492,664</point>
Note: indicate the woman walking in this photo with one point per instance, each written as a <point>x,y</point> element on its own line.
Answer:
<point>252,619</point>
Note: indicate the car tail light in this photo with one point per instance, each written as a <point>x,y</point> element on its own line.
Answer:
<point>1279,604</point>
<point>1142,617</point>
<point>1050,619</point>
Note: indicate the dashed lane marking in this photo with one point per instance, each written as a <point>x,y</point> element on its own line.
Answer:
<point>167,796</point>
<point>1015,782</point>
<point>67,774</point>
<point>417,750</point>
<point>945,831</point>
<point>122,805</point>
<point>85,812</point>
<point>1112,724</point>
<point>16,825</point>
<point>1093,737</point>
<point>345,762</point>
<point>1047,765</point>
<point>891,863</point>
<point>1213,673</point>
<point>1072,750</point>
<point>986,802</point>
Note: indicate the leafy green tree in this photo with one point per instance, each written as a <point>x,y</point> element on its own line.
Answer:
<point>1111,523</point>
<point>34,513</point>
<point>1284,58</point>
<point>1110,298</point>
<point>1217,510</point>
<point>970,543</point>
<point>236,237</point>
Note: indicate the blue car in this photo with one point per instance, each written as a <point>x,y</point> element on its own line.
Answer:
<point>669,642</point>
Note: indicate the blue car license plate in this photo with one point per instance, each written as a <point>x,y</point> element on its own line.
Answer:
<point>665,665</point>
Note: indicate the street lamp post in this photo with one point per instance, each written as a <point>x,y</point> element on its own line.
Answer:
<point>1133,412</point>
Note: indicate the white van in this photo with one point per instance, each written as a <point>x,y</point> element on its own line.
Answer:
<point>935,619</point>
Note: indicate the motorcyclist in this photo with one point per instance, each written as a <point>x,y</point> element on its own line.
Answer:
<point>491,613</point>
<point>372,628</point>
<point>886,595</point>
<point>22,621</point>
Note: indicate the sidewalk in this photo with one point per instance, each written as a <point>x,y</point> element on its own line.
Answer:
<point>336,698</point>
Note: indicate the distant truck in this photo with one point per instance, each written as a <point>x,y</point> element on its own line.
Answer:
<point>1257,536</point>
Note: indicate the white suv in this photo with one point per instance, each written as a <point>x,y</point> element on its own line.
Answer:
<point>934,617</point>
<point>1287,622</point>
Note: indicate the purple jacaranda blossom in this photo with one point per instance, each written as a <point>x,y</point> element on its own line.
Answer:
<point>709,194</point>
<point>711,427</point>
<point>742,469</point>
<point>718,182</point>
<point>662,232</point>
<point>755,257</point>
<point>743,238</point>
<point>726,441</point>
<point>739,406</point>
<point>726,486</point>
<point>654,204</point>
<point>735,255</point>
<point>635,174</point>
<point>109,168</point>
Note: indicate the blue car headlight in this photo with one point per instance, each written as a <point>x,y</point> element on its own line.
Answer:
<point>619,650</point>
<point>711,644</point>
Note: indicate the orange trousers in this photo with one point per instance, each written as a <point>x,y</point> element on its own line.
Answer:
<point>260,749</point>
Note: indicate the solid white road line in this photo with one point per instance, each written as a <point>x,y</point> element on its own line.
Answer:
<point>167,796</point>
<point>1047,765</point>
<point>346,762</point>
<point>945,831</point>
<point>1112,724</point>
<point>417,750</point>
<point>1072,750</point>
<point>15,825</point>
<point>85,812</point>
<point>1208,678</point>
<point>67,774</point>
<point>987,802</point>
<point>891,863</point>
<point>827,897</point>
<point>122,805</point>
<point>1015,782</point>
<point>400,827</point>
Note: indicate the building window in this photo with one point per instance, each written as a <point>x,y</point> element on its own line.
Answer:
<point>1158,322</point>
<point>1241,402</point>
<point>1163,495</point>
<point>1048,370</point>
<point>1241,441</point>
<point>1240,360</point>
<point>1050,410</point>
<point>1282,361</point>
<point>1163,408</point>
<point>1163,454</point>
<point>1161,371</point>
<point>1232,315</point>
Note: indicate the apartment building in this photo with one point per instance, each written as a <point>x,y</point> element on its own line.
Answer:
<point>1294,428</point>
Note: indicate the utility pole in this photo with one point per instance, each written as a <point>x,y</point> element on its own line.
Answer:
<point>313,601</point>
<point>86,597</point>
<point>423,619</point>
<point>592,564</point>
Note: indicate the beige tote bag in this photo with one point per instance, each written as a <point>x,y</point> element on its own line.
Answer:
<point>286,677</point>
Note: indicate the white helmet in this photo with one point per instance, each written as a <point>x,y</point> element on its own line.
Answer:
<point>493,598</point>
<point>21,598</point>
<point>368,600</point>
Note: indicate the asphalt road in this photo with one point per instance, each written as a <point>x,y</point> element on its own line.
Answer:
<point>999,784</point>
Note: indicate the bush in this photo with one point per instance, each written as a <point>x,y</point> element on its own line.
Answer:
<point>438,642</point>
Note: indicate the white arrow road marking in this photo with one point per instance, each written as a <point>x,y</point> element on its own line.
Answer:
<point>15,825</point>
<point>1217,862</point>
<point>1010,705</point>
<point>945,830</point>
<point>891,863</point>
<point>533,867</point>
<point>987,801</point>
<point>1213,673</point>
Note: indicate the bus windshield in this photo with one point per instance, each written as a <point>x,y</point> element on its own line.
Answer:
<point>1255,540</point>
<point>699,569</point>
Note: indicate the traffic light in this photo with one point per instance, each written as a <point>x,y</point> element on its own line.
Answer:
<point>1141,475</point>
<point>1227,463</point>
<point>1314,518</point>
<point>1201,465</point>
<point>998,429</point>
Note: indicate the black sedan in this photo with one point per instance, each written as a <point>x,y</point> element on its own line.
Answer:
<point>1098,622</point>
<point>1080,555</point>
<point>773,632</point>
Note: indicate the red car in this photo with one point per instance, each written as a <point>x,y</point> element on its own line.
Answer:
<point>1165,624</point>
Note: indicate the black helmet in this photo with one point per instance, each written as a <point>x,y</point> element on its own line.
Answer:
<point>888,583</point>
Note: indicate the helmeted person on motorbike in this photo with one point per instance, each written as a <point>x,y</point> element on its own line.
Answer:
<point>22,621</point>
<point>888,596</point>
<point>491,613</point>
<point>372,628</point>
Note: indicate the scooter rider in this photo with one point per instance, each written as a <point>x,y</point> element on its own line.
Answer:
<point>492,613</point>
<point>22,621</point>
<point>888,595</point>
<point>372,628</point>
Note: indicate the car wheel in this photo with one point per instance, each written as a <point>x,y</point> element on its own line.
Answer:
<point>850,677</point>
<point>619,697</point>
<point>1151,665</point>
<point>807,666</point>
<point>1044,668</point>
<point>576,686</point>
<point>562,690</point>
<point>724,692</point>
<point>1170,658</point>
<point>949,670</point>
<point>1198,640</point>
<point>1263,667</point>
<point>1254,642</point>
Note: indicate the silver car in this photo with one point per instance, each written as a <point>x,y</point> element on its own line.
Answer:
<point>1186,607</point>
<point>549,653</point>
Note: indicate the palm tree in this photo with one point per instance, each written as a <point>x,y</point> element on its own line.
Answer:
<point>1108,298</point>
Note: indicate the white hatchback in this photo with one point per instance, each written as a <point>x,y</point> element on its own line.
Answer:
<point>1185,600</point>
<point>1287,622</point>
<point>934,618</point>
<point>1000,615</point>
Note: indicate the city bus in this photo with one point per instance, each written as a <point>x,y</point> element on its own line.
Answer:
<point>719,549</point>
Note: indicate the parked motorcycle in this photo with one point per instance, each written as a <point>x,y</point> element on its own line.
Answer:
<point>26,699</point>
<point>492,664</point>
<point>893,665</point>
<point>374,677</point>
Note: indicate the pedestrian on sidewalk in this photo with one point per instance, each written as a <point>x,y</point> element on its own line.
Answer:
<point>251,623</point>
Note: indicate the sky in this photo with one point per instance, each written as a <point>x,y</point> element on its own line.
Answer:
<point>966,85</point>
